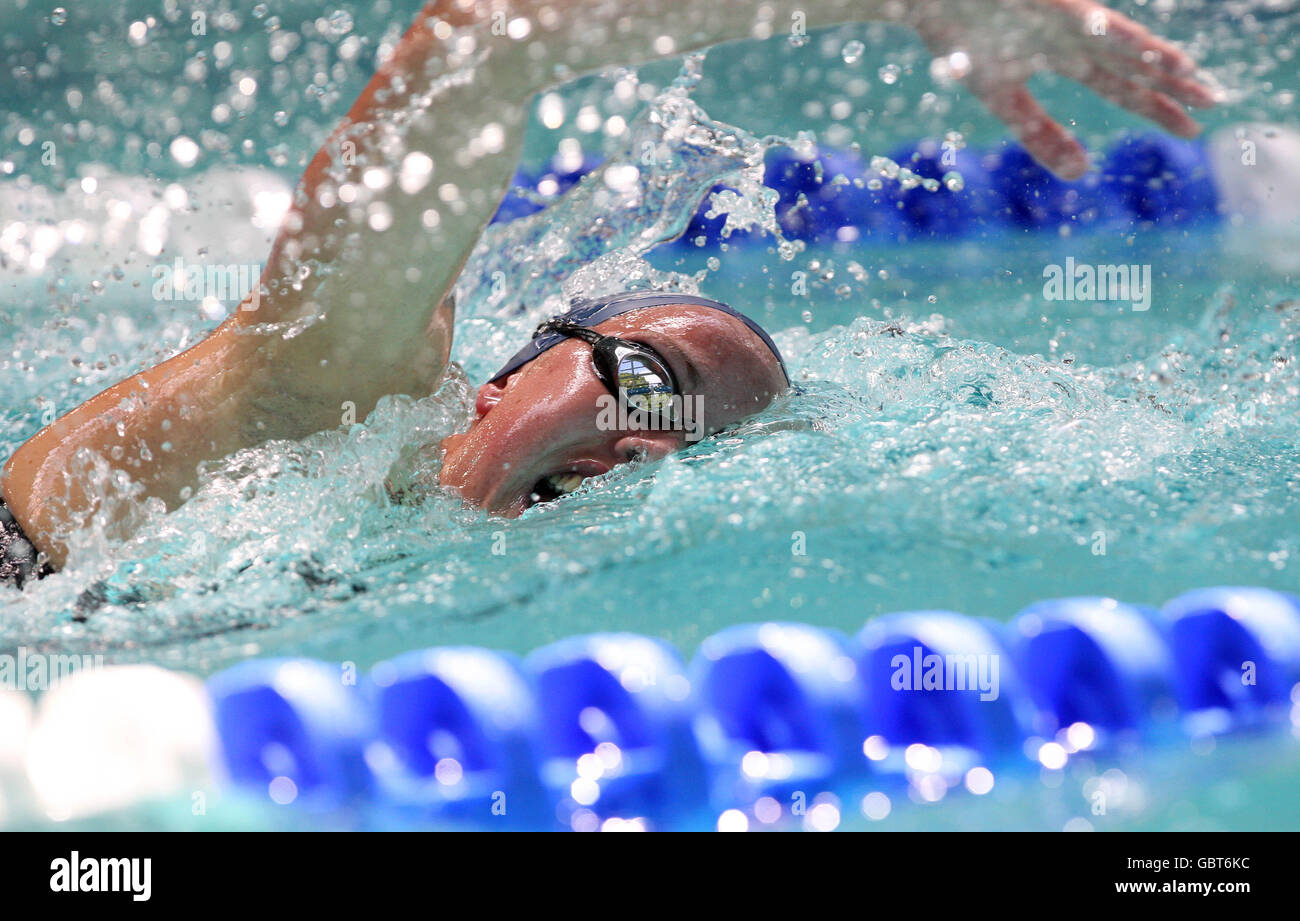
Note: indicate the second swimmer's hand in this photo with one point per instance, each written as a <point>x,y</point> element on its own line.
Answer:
<point>994,46</point>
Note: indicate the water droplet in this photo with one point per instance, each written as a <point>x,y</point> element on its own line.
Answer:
<point>340,23</point>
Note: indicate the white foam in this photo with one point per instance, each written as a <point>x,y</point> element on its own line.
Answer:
<point>103,218</point>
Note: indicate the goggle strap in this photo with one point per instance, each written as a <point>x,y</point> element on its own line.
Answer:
<point>565,328</point>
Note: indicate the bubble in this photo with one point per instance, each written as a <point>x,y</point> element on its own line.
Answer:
<point>733,820</point>
<point>876,806</point>
<point>852,52</point>
<point>889,74</point>
<point>885,167</point>
<point>953,181</point>
<point>979,780</point>
<point>184,151</point>
<point>339,23</point>
<point>823,817</point>
<point>59,16</point>
<point>282,790</point>
<point>1053,756</point>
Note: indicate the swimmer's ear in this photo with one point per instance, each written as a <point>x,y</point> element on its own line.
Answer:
<point>489,395</point>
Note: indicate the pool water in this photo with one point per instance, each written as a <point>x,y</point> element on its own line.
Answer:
<point>955,441</point>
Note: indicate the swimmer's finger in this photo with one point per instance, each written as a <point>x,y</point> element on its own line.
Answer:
<point>1121,34</point>
<point>1158,107</point>
<point>1045,138</point>
<point>1186,90</point>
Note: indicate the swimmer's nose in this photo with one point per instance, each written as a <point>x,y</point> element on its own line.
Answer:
<point>650,446</point>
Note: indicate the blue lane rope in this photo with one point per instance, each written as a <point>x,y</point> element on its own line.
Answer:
<point>1147,178</point>
<point>616,725</point>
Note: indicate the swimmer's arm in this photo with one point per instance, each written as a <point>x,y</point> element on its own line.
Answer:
<point>398,243</point>
<point>306,348</point>
<point>156,426</point>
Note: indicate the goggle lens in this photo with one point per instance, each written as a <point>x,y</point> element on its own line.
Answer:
<point>645,384</point>
<point>632,371</point>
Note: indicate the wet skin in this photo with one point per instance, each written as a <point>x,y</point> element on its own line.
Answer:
<point>543,419</point>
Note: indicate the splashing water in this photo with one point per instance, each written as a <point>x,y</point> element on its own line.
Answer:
<point>955,439</point>
<point>594,240</point>
<point>975,449</point>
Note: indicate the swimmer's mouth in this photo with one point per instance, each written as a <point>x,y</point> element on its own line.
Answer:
<point>556,485</point>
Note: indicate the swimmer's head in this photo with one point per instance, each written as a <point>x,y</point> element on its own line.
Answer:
<point>547,420</point>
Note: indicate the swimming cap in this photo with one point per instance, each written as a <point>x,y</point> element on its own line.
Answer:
<point>593,312</point>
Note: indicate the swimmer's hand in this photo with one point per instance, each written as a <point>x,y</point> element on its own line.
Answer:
<point>994,46</point>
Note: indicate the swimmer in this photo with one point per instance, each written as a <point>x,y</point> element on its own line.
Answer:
<point>445,116</point>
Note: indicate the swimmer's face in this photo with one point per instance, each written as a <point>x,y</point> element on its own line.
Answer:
<point>541,429</point>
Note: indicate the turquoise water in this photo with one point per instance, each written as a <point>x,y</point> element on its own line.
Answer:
<point>958,441</point>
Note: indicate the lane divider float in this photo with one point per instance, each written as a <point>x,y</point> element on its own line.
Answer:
<point>601,730</point>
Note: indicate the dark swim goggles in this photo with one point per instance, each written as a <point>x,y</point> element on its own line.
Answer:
<point>632,371</point>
